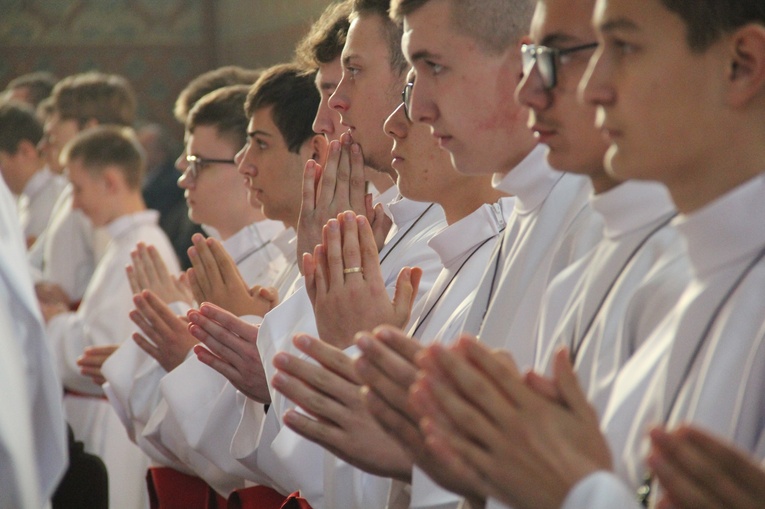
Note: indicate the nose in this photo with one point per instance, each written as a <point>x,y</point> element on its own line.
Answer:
<point>397,125</point>
<point>422,107</point>
<point>323,122</point>
<point>181,164</point>
<point>241,158</point>
<point>339,100</point>
<point>531,91</point>
<point>185,181</point>
<point>595,88</point>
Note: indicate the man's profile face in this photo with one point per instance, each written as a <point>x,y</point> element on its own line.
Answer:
<point>273,175</point>
<point>465,93</point>
<point>327,121</point>
<point>369,89</point>
<point>556,116</point>
<point>656,100</point>
<point>58,132</point>
<point>216,183</point>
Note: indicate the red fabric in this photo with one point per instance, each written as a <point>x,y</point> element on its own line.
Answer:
<point>256,497</point>
<point>295,501</point>
<point>171,489</point>
<point>215,501</point>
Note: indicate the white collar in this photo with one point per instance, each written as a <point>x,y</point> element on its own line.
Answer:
<point>630,206</point>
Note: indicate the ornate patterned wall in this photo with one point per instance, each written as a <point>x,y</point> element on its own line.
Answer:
<point>158,44</point>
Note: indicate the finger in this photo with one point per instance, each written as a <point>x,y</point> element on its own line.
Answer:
<point>321,274</point>
<point>308,203</point>
<point>205,269</point>
<point>459,457</point>
<point>351,248</point>
<point>570,390</point>
<point>385,353</point>
<point>341,200</point>
<point>328,356</point>
<point>225,264</point>
<point>220,320</point>
<point>323,432</point>
<point>370,257</point>
<point>328,182</point>
<point>147,264</point>
<point>317,402</point>
<point>500,368</point>
<point>445,403</point>
<point>399,342</point>
<point>309,273</point>
<point>160,268</point>
<point>191,277</point>
<point>357,180</point>
<point>334,255</point>
<point>271,294</point>
<point>406,289</point>
<point>399,426</point>
<point>142,278</point>
<point>469,382</point>
<point>146,345</point>
<point>134,286</point>
<point>219,364</point>
<point>394,395</point>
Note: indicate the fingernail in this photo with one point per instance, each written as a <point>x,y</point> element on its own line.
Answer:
<point>280,379</point>
<point>349,216</point>
<point>303,341</point>
<point>355,148</point>
<point>281,359</point>
<point>335,146</point>
<point>333,225</point>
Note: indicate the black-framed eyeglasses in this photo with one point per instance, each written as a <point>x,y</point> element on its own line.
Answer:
<point>547,60</point>
<point>196,164</point>
<point>406,97</point>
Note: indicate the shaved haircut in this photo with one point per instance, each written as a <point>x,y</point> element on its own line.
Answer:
<point>495,24</point>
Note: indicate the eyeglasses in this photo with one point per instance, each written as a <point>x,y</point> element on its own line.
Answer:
<point>406,97</point>
<point>197,163</point>
<point>547,60</point>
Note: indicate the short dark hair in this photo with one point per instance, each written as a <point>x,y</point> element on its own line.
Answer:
<point>18,123</point>
<point>39,84</point>
<point>324,42</point>
<point>106,98</point>
<point>294,98</point>
<point>708,20</point>
<point>392,31</point>
<point>209,81</point>
<point>108,145</point>
<point>224,110</point>
<point>495,24</point>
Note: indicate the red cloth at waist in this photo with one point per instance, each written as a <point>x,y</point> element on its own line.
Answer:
<point>171,489</point>
<point>295,501</point>
<point>256,497</point>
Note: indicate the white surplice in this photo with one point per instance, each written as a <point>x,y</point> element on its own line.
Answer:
<point>36,201</point>
<point>102,319</point>
<point>33,443</point>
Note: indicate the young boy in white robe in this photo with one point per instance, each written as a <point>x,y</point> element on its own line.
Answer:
<point>105,166</point>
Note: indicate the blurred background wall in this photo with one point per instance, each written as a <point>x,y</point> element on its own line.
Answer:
<point>159,45</point>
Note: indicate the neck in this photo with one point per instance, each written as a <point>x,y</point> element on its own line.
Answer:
<point>602,181</point>
<point>471,193</point>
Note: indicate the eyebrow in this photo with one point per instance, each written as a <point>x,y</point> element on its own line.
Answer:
<point>556,39</point>
<point>423,55</point>
<point>618,24</point>
<point>347,59</point>
<point>252,134</point>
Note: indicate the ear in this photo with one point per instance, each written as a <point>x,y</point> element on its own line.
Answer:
<point>747,64</point>
<point>113,179</point>
<point>27,149</point>
<point>319,146</point>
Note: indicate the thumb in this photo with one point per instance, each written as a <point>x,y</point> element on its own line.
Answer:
<point>406,289</point>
